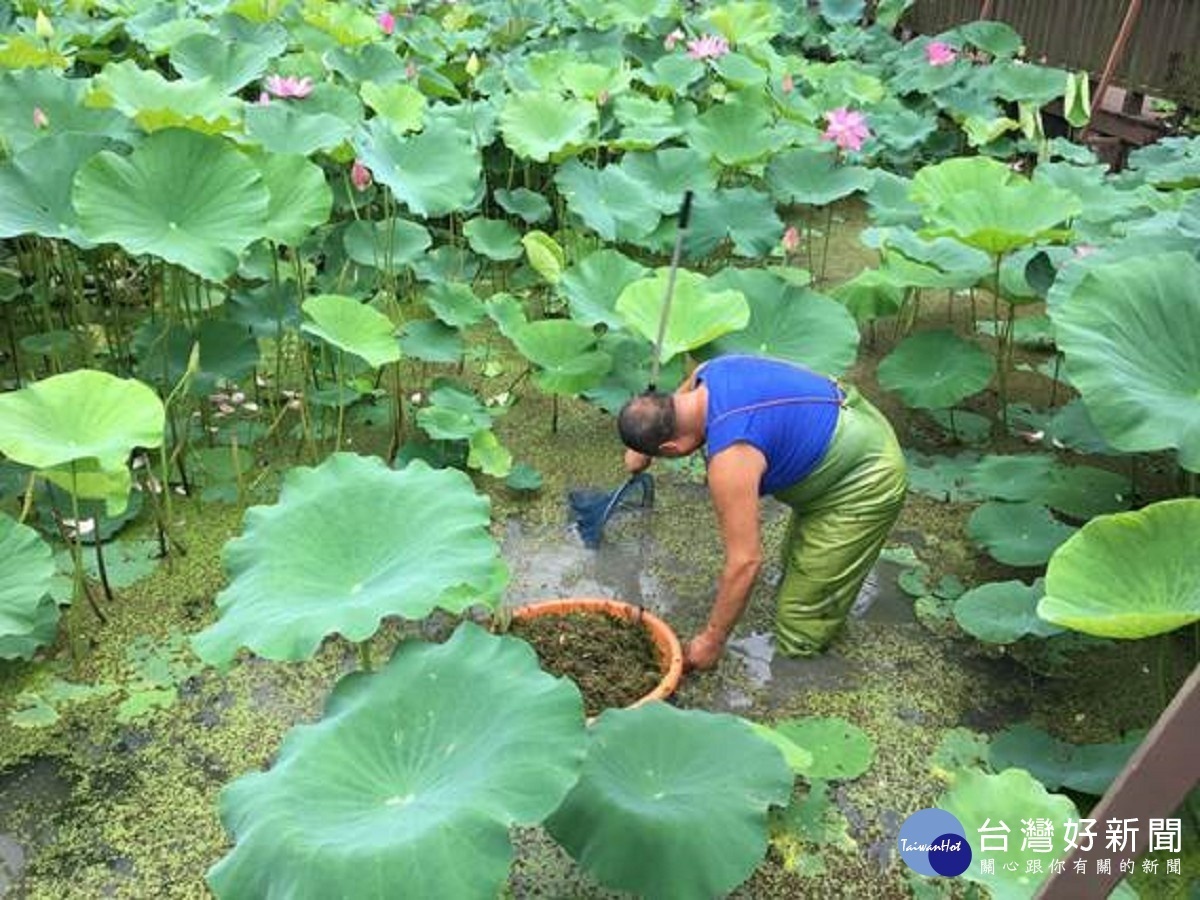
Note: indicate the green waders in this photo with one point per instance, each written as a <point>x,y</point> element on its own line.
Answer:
<point>841,515</point>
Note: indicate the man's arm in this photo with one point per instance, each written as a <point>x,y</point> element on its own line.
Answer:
<point>734,476</point>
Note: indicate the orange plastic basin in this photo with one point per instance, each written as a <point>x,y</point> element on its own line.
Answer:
<point>670,653</point>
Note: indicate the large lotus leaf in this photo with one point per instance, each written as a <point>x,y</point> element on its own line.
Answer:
<point>889,201</point>
<point>745,24</point>
<point>190,199</point>
<point>228,351</point>
<point>788,322</point>
<point>78,416</point>
<point>434,173</point>
<point>1128,575</point>
<point>903,129</point>
<point>27,620</point>
<point>1023,477</point>
<point>1130,332</point>
<point>1171,163</point>
<point>632,358</point>
<point>538,124</point>
<point>936,369</point>
<point>1020,82</point>
<point>664,176</point>
<point>980,801</point>
<point>522,202</point>
<point>493,238</point>
<point>735,133</point>
<point>1102,200</point>
<point>814,177</point>
<point>353,327</point>
<point>744,216</point>
<point>1088,768</point>
<point>1003,612</point>
<point>294,128</point>
<point>672,72</point>
<point>401,105</point>
<point>373,244</point>
<point>647,123</point>
<point>870,294</point>
<point>307,567</point>
<point>1078,491</point>
<point>839,749</point>
<point>156,103</point>
<point>957,265</point>
<point>565,352</point>
<point>60,100</point>
<point>593,285</point>
<point>608,200</point>
<point>300,198</point>
<point>1017,534</point>
<point>938,184</point>
<point>35,187</point>
<point>411,778</point>
<point>231,65</point>
<point>698,313</point>
<point>943,478</point>
<point>454,303</point>
<point>1003,220</point>
<point>430,340</point>
<point>657,784</point>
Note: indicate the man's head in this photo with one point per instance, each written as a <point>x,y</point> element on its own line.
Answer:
<point>650,423</point>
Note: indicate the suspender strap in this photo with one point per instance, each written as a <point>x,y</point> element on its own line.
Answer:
<point>784,401</point>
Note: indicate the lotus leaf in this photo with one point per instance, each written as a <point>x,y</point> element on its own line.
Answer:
<point>412,777</point>
<point>903,129</point>
<point>454,303</point>
<point>656,784</point>
<point>546,255</point>
<point>302,570</point>
<point>870,294</point>
<point>524,478</point>
<point>798,759</point>
<point>889,201</point>
<point>698,313</point>
<point>983,801</point>
<point>745,24</point>
<point>401,105</point>
<point>430,340</point>
<point>944,478</point>
<point>489,456</point>
<point>565,352</point>
<point>664,176</point>
<point>434,173</point>
<point>292,128</point>
<point>968,427</point>
<point>840,749</point>
<point>814,177</point>
<point>453,414</point>
<point>1003,220</point>
<point>632,358</point>
<point>672,72</point>
<point>997,38</point>
<point>841,12</point>
<point>353,327</point>
<point>743,215</point>
<point>226,351</point>
<point>35,187</point>
<point>1003,612</point>
<point>300,198</point>
<point>1019,82</point>
<point>28,618</point>
<point>190,199</point>
<point>46,427</point>
<point>735,133</point>
<point>956,264</point>
<point>608,200</point>
<point>1171,163</point>
<point>1087,768</point>
<point>156,103</point>
<point>538,124</point>
<point>935,185</point>
<point>647,123</point>
<point>787,322</point>
<point>1129,332</point>
<point>1128,575</point>
<point>933,369</point>
<point>371,244</point>
<point>60,100</point>
<point>522,202</point>
<point>230,65</point>
<point>1017,534</point>
<point>593,285</point>
<point>493,238</point>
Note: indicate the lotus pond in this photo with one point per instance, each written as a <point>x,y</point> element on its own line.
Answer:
<point>314,312</point>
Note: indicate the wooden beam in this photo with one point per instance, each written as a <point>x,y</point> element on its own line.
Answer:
<point>986,12</point>
<point>1114,57</point>
<point>1153,784</point>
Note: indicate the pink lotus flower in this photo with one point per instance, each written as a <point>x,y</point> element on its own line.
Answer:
<point>711,46</point>
<point>264,99</point>
<point>289,86</point>
<point>673,38</point>
<point>847,128</point>
<point>939,54</point>
<point>387,22</point>
<point>360,176</point>
<point>40,119</point>
<point>788,83</point>
<point>791,239</point>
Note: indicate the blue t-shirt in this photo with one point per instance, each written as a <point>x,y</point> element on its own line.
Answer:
<point>786,411</point>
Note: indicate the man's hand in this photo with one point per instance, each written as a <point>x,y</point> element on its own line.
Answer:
<point>637,462</point>
<point>703,651</point>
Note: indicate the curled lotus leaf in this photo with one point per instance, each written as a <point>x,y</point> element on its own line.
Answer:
<point>353,327</point>
<point>593,285</point>
<point>608,200</point>
<point>1128,575</point>
<point>411,778</point>
<point>537,124</point>
<point>699,312</point>
<point>434,173</point>
<point>936,369</point>
<point>188,198</point>
<point>657,784</point>
<point>1003,220</point>
<point>231,64</point>
<point>28,617</point>
<point>156,103</point>
<point>307,567</point>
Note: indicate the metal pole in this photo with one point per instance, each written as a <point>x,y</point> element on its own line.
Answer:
<point>1114,58</point>
<point>1153,783</point>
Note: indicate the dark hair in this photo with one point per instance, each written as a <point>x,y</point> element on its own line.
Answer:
<point>647,422</point>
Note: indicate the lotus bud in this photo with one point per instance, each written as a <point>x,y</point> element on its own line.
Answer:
<point>473,65</point>
<point>387,22</point>
<point>42,26</point>
<point>791,239</point>
<point>40,119</point>
<point>788,84</point>
<point>360,176</point>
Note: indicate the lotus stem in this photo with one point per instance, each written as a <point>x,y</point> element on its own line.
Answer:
<point>80,581</point>
<point>825,241</point>
<point>364,655</point>
<point>11,328</point>
<point>953,430</point>
<point>397,414</point>
<point>237,469</point>
<point>27,502</point>
<point>1001,371</point>
<point>341,415</point>
<point>554,414</point>
<point>108,594</point>
<point>1054,381</point>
